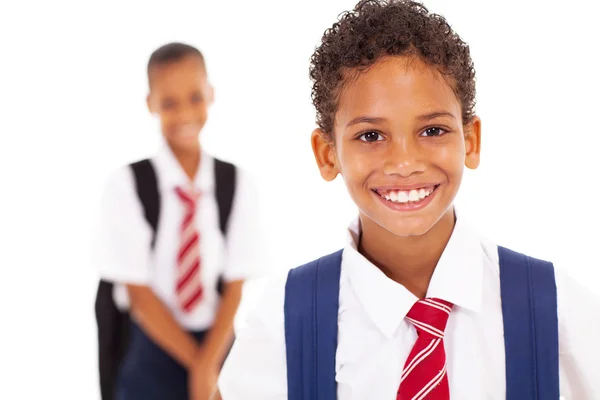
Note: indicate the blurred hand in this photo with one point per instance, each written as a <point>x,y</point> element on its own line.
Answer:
<point>203,380</point>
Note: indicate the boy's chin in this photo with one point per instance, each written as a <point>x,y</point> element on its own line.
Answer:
<point>419,225</point>
<point>407,226</point>
<point>183,141</point>
<point>409,229</point>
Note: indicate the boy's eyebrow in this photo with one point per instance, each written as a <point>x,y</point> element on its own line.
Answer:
<point>374,120</point>
<point>436,114</point>
<point>364,119</point>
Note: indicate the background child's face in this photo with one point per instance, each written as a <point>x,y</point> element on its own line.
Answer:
<point>180,95</point>
<point>400,145</point>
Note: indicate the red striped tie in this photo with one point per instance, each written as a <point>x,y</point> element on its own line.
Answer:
<point>424,375</point>
<point>188,283</point>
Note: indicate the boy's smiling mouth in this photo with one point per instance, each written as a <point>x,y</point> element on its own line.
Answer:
<point>406,198</point>
<point>188,130</point>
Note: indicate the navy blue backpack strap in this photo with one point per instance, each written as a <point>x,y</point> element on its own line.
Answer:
<point>311,328</point>
<point>529,311</point>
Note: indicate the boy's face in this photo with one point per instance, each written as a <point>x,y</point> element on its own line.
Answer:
<point>180,95</point>
<point>400,145</point>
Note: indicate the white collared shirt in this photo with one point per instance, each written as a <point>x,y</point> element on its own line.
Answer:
<point>375,338</point>
<point>123,251</point>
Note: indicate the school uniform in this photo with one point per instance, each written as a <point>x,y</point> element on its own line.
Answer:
<point>375,337</point>
<point>129,253</point>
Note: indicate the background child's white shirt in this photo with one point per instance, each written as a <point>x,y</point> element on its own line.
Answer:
<point>375,338</point>
<point>123,252</point>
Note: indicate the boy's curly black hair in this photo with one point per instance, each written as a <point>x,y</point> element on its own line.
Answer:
<point>376,28</point>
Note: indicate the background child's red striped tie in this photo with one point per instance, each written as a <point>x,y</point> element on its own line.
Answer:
<point>188,283</point>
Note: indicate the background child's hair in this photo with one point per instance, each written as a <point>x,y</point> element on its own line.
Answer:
<point>376,28</point>
<point>172,52</point>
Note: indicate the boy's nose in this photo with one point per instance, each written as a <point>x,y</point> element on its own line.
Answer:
<point>186,115</point>
<point>404,158</point>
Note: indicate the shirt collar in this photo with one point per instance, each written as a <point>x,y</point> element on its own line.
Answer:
<point>171,174</point>
<point>457,278</point>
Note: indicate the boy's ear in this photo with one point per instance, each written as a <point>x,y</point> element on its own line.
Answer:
<point>211,94</point>
<point>473,143</point>
<point>149,104</point>
<point>324,151</point>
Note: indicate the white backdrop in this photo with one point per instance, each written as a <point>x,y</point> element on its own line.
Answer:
<point>72,108</point>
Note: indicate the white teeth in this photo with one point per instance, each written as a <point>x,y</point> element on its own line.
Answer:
<point>399,196</point>
<point>402,197</point>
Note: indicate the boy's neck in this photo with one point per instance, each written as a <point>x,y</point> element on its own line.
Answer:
<point>409,261</point>
<point>188,158</point>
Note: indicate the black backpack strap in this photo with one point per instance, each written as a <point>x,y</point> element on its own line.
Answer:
<point>147,190</point>
<point>113,324</point>
<point>113,327</point>
<point>225,181</point>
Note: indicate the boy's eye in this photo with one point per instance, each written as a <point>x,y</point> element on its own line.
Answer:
<point>196,98</point>
<point>168,104</point>
<point>433,132</point>
<point>370,137</point>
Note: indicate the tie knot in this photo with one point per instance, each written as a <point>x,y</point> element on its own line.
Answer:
<point>429,317</point>
<point>188,196</point>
